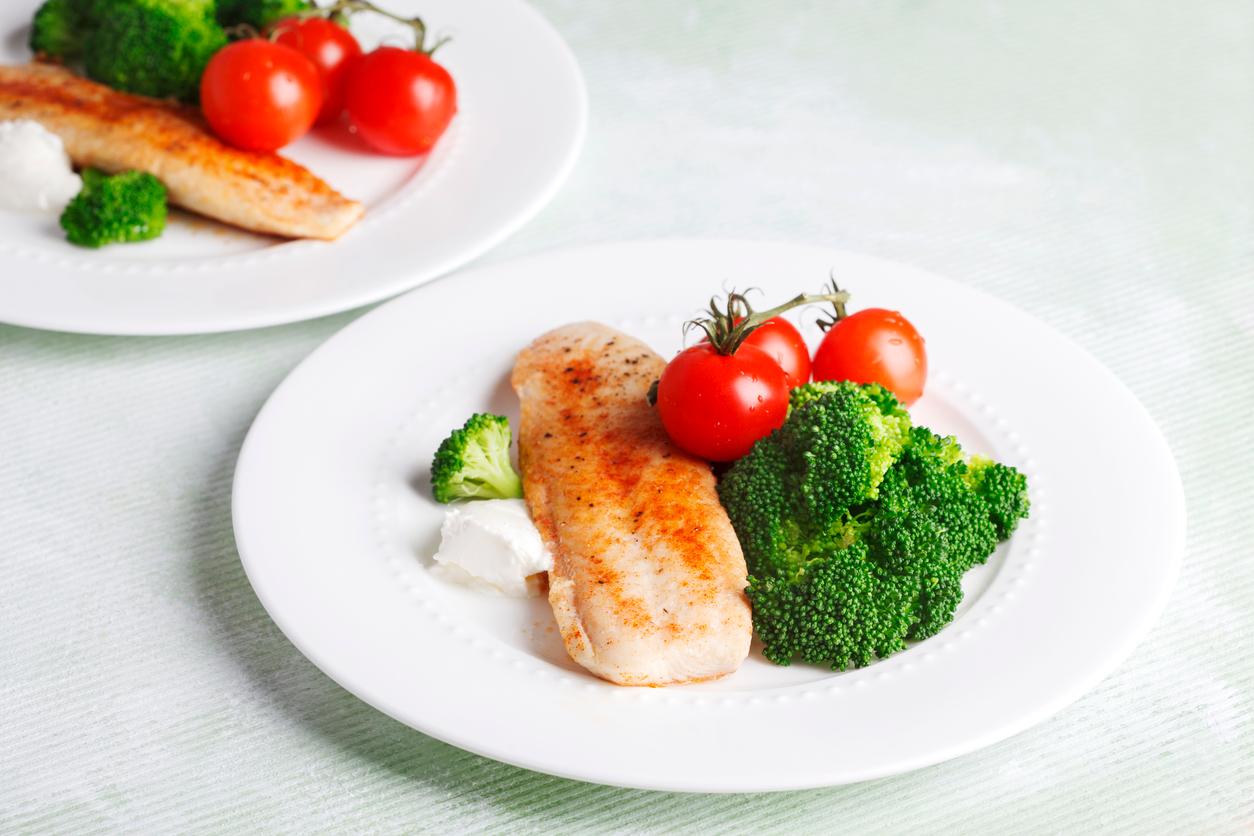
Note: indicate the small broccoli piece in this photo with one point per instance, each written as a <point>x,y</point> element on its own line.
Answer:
<point>939,597</point>
<point>59,29</point>
<point>857,528</point>
<point>473,462</point>
<point>130,206</point>
<point>1003,489</point>
<point>152,47</point>
<point>258,13</point>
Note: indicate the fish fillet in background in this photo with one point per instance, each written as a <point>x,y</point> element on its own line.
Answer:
<point>648,578</point>
<point>106,129</point>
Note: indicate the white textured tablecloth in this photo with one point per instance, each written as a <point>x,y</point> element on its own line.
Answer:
<point>1092,162</point>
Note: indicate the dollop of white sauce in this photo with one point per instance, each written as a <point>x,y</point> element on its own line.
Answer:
<point>492,545</point>
<point>35,171</point>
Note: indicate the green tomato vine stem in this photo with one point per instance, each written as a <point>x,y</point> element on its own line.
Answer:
<point>727,334</point>
<point>342,10</point>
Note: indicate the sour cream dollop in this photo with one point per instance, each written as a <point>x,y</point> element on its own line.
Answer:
<point>35,171</point>
<point>492,544</point>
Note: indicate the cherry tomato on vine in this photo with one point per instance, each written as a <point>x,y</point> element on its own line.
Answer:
<point>715,406</point>
<point>331,48</point>
<point>259,95</point>
<point>874,346</point>
<point>781,340</point>
<point>399,100</point>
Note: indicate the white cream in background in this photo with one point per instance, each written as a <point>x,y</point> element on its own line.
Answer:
<point>492,544</point>
<point>35,171</point>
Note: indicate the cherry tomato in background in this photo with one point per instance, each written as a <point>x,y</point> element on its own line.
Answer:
<point>780,339</point>
<point>399,100</point>
<point>331,48</point>
<point>258,95</point>
<point>874,346</point>
<point>715,406</point>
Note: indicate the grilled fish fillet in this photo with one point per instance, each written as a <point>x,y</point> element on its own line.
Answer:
<point>648,578</point>
<point>114,131</point>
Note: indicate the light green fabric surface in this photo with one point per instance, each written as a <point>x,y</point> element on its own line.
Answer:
<point>1092,162</point>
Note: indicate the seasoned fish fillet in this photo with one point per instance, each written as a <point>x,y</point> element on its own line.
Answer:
<point>648,578</point>
<point>114,131</point>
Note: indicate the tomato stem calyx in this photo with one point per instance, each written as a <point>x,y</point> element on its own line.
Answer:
<point>728,327</point>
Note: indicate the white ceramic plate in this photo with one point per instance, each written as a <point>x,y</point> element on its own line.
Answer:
<point>522,110</point>
<point>335,527</point>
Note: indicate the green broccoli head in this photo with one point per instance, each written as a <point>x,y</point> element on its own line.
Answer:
<point>929,525</point>
<point>1004,491</point>
<point>109,209</point>
<point>932,477</point>
<point>843,441</point>
<point>858,528</point>
<point>841,611</point>
<point>152,47</point>
<point>938,598</point>
<point>59,29</point>
<point>882,397</point>
<point>473,462</point>
<point>796,487</point>
<point>258,13</point>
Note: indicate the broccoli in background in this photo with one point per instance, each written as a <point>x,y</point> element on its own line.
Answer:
<point>258,13</point>
<point>473,462</point>
<point>59,29</point>
<point>857,528</point>
<point>130,206</point>
<point>155,48</point>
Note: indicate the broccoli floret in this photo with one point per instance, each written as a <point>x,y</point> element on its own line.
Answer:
<point>841,611</point>
<point>939,597</point>
<point>931,526</point>
<point>473,462</point>
<point>933,477</point>
<point>59,29</point>
<point>1003,489</point>
<point>792,493</point>
<point>857,528</point>
<point>152,47</point>
<point>258,13</point>
<point>883,398</point>
<point>130,206</point>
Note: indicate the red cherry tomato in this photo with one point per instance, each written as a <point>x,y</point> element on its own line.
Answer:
<point>259,95</point>
<point>399,101</point>
<point>330,48</point>
<point>780,339</point>
<point>716,405</point>
<point>874,346</point>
